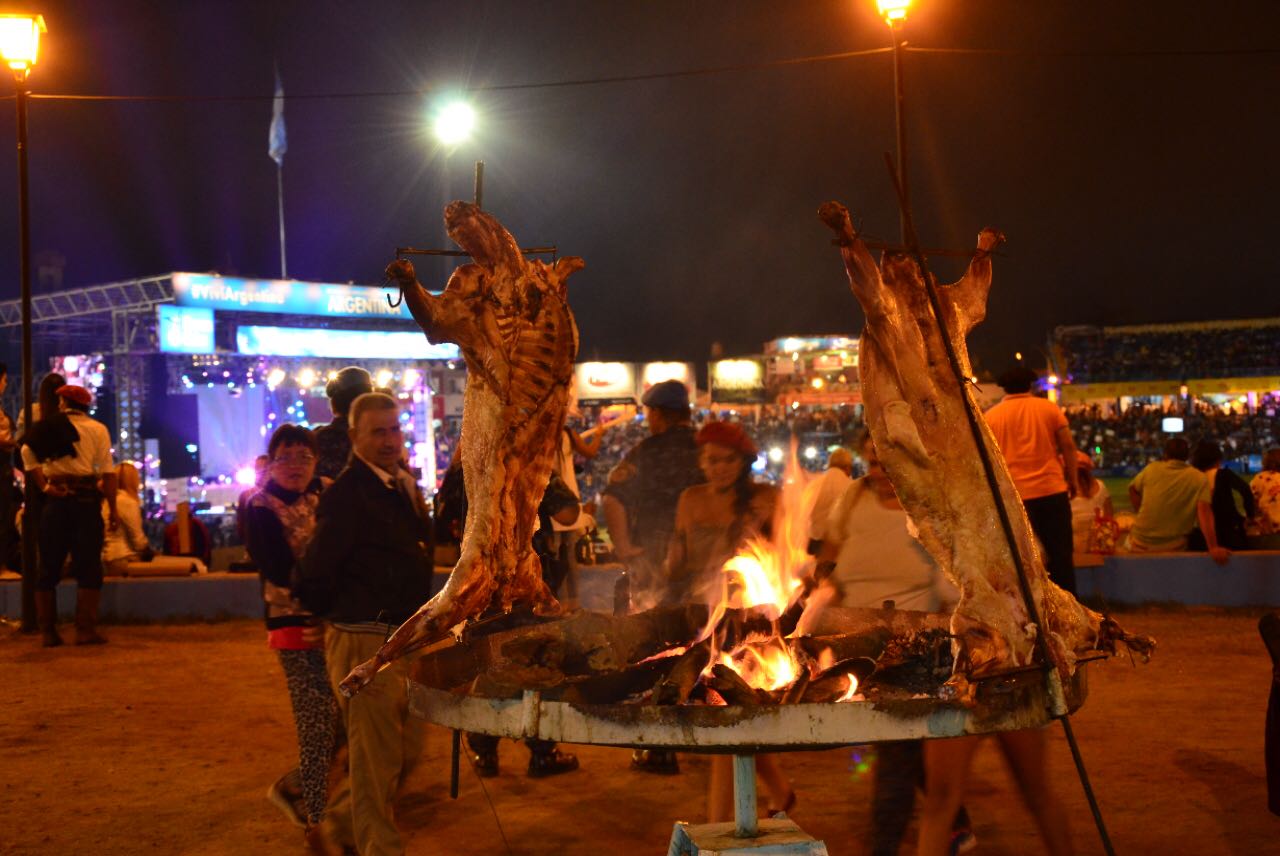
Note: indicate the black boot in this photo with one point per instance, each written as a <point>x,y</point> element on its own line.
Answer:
<point>484,754</point>
<point>659,761</point>
<point>47,618</point>
<point>546,760</point>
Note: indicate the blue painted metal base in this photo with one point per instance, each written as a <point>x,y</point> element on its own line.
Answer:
<point>776,836</point>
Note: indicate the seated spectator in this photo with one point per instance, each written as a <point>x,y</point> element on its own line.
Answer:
<point>186,535</point>
<point>1164,496</point>
<point>1085,505</point>
<point>1224,487</point>
<point>1266,494</point>
<point>1169,496</point>
<point>125,543</point>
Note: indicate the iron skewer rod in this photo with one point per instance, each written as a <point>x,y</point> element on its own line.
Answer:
<point>456,750</point>
<point>1052,678</point>
<point>415,251</point>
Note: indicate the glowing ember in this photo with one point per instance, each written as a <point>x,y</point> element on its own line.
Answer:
<point>662,655</point>
<point>852,691</point>
<point>826,659</point>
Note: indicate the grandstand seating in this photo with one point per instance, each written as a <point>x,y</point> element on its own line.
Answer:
<point>1215,349</point>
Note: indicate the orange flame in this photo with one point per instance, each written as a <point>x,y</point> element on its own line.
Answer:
<point>767,666</point>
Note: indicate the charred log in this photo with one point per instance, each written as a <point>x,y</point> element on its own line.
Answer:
<point>676,687</point>
<point>733,689</point>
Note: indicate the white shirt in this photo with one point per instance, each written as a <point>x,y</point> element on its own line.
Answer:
<point>93,451</point>
<point>820,496</point>
<point>127,539</point>
<point>879,560</point>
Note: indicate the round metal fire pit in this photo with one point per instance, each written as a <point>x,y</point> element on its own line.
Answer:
<point>442,693</point>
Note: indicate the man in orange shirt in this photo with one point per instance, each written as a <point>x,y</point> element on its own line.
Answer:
<point>1033,435</point>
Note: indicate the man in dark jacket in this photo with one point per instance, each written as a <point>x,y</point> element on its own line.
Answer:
<point>367,570</point>
<point>639,503</point>
<point>639,507</point>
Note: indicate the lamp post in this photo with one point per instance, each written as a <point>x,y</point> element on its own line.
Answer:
<point>19,48</point>
<point>894,13</point>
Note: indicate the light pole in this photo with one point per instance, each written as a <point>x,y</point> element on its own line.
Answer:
<point>894,13</point>
<point>19,48</point>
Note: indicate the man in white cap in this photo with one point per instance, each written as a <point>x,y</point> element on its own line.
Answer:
<point>821,494</point>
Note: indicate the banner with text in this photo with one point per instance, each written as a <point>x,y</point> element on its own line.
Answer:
<point>289,296</point>
<point>737,382</point>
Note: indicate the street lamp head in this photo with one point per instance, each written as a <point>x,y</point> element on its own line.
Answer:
<point>894,12</point>
<point>20,41</point>
<point>454,122</point>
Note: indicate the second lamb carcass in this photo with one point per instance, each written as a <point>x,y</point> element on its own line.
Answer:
<point>511,319</point>
<point>915,410</point>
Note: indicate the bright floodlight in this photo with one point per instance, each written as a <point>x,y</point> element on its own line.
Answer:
<point>454,122</point>
<point>893,11</point>
<point>20,40</point>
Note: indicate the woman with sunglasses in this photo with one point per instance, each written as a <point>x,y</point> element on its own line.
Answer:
<point>279,523</point>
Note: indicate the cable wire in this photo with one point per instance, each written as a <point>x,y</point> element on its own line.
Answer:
<point>677,74</point>
<point>1099,54</point>
<point>492,87</point>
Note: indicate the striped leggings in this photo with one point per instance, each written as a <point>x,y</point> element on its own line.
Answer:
<point>315,714</point>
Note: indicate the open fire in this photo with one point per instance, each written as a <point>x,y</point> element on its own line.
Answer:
<point>768,576</point>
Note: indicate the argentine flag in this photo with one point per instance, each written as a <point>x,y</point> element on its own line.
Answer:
<point>277,142</point>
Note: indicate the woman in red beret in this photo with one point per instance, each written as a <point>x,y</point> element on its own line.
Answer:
<point>713,521</point>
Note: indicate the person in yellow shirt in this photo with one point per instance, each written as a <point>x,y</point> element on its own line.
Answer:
<point>1033,435</point>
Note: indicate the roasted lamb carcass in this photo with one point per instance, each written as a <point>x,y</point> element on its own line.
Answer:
<point>511,319</point>
<point>915,410</point>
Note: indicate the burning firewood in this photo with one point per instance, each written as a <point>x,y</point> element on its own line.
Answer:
<point>733,689</point>
<point>676,687</point>
<point>833,682</point>
<point>511,319</point>
<point>915,410</point>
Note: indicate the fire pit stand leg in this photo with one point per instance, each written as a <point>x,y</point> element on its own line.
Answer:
<point>746,836</point>
<point>745,823</point>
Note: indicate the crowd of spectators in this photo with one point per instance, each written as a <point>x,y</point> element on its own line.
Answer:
<point>1099,354</point>
<point>1117,441</point>
<point>816,431</point>
<point>1129,439</point>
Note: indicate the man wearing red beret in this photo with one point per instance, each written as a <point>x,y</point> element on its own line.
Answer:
<point>68,453</point>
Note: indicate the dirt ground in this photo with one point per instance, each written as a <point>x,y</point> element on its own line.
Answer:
<point>165,741</point>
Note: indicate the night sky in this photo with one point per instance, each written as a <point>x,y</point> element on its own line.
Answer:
<point>1133,188</point>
